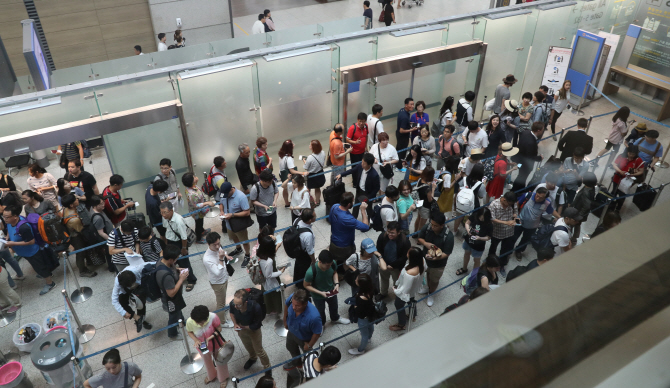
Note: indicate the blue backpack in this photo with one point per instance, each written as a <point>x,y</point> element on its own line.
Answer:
<point>469,282</point>
<point>542,239</point>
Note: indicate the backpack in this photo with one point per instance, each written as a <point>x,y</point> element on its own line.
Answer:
<point>258,190</point>
<point>462,114</point>
<point>50,227</point>
<point>516,272</point>
<point>90,233</point>
<point>466,199</point>
<point>469,282</point>
<point>208,186</point>
<point>380,312</point>
<point>545,113</point>
<point>118,243</point>
<point>256,296</point>
<point>255,272</point>
<point>150,282</point>
<point>542,239</point>
<point>377,222</point>
<point>291,239</point>
<point>32,219</point>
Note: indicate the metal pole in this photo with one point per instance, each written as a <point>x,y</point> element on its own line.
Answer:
<point>559,140</point>
<point>192,362</point>
<point>321,346</point>
<point>481,116</point>
<point>480,71</point>
<point>588,125</point>
<point>345,100</point>
<point>184,136</point>
<point>609,160</point>
<point>411,83</point>
<point>234,380</point>
<point>658,194</point>
<point>86,332</point>
<point>581,101</point>
<point>6,319</point>
<point>663,163</point>
<point>5,358</point>
<point>79,371</point>
<point>81,294</point>
<point>280,330</point>
<point>606,208</point>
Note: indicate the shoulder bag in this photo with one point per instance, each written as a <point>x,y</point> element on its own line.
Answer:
<point>224,352</point>
<point>387,170</point>
<point>190,234</point>
<point>238,224</point>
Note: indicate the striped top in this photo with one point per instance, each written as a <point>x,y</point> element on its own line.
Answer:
<point>126,241</point>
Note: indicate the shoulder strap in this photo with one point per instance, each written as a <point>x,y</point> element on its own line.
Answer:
<point>258,191</point>
<point>125,375</point>
<point>374,130</point>
<point>357,257</point>
<point>317,161</point>
<point>476,186</point>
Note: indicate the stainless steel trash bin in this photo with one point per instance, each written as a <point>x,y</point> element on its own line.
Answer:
<point>51,355</point>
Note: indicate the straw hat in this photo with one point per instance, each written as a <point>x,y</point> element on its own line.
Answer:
<point>477,154</point>
<point>508,150</point>
<point>641,127</point>
<point>511,105</point>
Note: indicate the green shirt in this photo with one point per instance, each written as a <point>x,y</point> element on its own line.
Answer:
<point>324,279</point>
<point>403,204</point>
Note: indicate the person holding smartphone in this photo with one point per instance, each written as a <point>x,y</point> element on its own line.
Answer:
<point>247,317</point>
<point>505,216</point>
<point>322,282</point>
<point>204,328</point>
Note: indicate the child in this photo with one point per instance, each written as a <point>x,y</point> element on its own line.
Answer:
<point>150,246</point>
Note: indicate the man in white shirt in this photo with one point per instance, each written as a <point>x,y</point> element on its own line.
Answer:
<point>560,238</point>
<point>176,233</point>
<point>474,138</point>
<point>215,260</point>
<point>161,42</point>
<point>375,126</point>
<point>259,25</point>
<point>389,214</point>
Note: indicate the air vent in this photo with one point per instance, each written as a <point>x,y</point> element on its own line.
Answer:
<point>32,14</point>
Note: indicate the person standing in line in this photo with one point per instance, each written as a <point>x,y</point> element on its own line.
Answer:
<point>72,218</point>
<point>635,133</point>
<point>176,234</point>
<point>496,135</point>
<point>501,170</point>
<point>204,326</point>
<point>386,157</point>
<point>115,373</point>
<point>474,138</point>
<point>306,256</point>
<point>299,196</point>
<point>650,148</point>
<point>448,146</point>
<point>264,195</point>
<point>419,119</point>
<point>357,137</point>
<point>152,197</point>
<point>7,183</point>
<point>138,50</point>
<point>150,246</point>
<point>34,203</point>
<point>126,284</point>
<point>266,252</point>
<point>259,25</point>
<point>215,261</point>
<point>464,112</point>
<point>374,123</point>
<point>161,42</point>
<point>404,130</point>
<point>548,98</point>
<point>407,285</point>
<point>630,165</point>
<point>337,151</point>
<point>502,93</point>
<point>367,13</point>
<point>269,23</point>
<point>619,130</point>
<point>314,165</point>
<point>365,311</point>
<point>43,183</point>
<point>6,257</point>
<point>82,179</point>
<point>584,201</point>
<point>244,174</point>
<point>170,279</point>
<point>321,280</point>
<point>415,163</point>
<point>365,261</point>
<point>574,139</point>
<point>343,228</point>
<point>120,241</point>
<point>393,246</point>
<point>169,175</point>
<point>366,181</point>
<point>247,317</point>
<point>286,167</point>
<point>573,170</point>
<point>479,229</point>
<point>528,154</point>
<point>115,207</point>
<point>427,143</point>
<point>195,199</point>
<point>317,364</point>
<point>405,205</point>
<point>73,151</point>
<point>438,243</point>
<point>233,203</point>
<point>505,216</point>
<point>561,239</point>
<point>262,160</point>
<point>533,206</point>
<point>540,109</point>
<point>446,115</point>
<point>303,322</point>
<point>218,172</point>
<point>179,40</point>
<point>389,14</point>
<point>559,103</point>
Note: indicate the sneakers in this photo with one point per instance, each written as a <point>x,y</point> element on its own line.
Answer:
<point>355,352</point>
<point>518,255</point>
<point>147,325</point>
<point>178,337</point>
<point>47,288</point>
<point>343,321</point>
<point>245,261</point>
<point>228,324</point>
<point>430,301</point>
<point>423,289</point>
<point>249,363</point>
<point>139,322</point>
<point>17,277</point>
<point>236,252</point>
<point>87,273</point>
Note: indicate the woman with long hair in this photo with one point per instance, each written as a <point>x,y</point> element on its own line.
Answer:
<point>365,311</point>
<point>560,103</point>
<point>425,187</point>
<point>287,165</point>
<point>496,136</point>
<point>618,132</point>
<point>501,170</point>
<point>414,163</point>
<point>446,115</point>
<point>407,285</point>
<point>115,372</point>
<point>405,205</point>
<point>43,183</point>
<point>479,229</point>
<point>266,260</point>
<point>314,165</point>
<point>35,203</point>
<point>299,196</point>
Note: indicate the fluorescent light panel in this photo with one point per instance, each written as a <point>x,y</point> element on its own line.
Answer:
<point>5,110</point>
<point>214,69</point>
<point>295,53</point>
<point>418,30</point>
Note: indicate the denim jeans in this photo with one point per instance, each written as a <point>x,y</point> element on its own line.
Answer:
<point>7,258</point>
<point>174,317</point>
<point>366,333</point>
<point>332,308</point>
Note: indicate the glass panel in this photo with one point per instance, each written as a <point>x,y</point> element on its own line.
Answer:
<point>135,93</point>
<point>208,104</point>
<point>74,106</point>
<point>182,55</point>
<point>71,75</point>
<point>622,14</point>
<point>593,17</point>
<point>430,84</point>
<point>293,35</point>
<point>353,52</point>
<point>343,26</point>
<point>238,45</point>
<point>136,153</point>
<point>525,41</point>
<point>121,66</point>
<point>390,45</point>
<point>461,31</point>
<point>334,85</point>
<point>551,33</point>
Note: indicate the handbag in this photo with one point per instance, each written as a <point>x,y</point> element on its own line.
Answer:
<point>386,170</point>
<point>381,16</point>
<point>229,268</point>
<point>627,185</point>
<point>350,276</point>
<point>224,353</point>
<point>190,234</point>
<point>238,223</point>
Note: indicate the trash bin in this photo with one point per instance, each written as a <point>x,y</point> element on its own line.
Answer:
<point>12,375</point>
<point>56,318</point>
<point>23,343</point>
<point>51,355</point>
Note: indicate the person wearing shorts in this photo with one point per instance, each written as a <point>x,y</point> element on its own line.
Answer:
<point>479,229</point>
<point>438,243</point>
<point>234,203</point>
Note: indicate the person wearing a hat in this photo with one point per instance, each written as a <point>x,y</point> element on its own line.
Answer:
<point>502,93</point>
<point>233,203</point>
<point>509,119</point>
<point>366,261</point>
<point>466,164</point>
<point>560,238</point>
<point>574,139</point>
<point>635,133</point>
<point>501,169</point>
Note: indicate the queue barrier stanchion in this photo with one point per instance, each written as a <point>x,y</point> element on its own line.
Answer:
<point>8,357</point>
<point>609,161</point>
<point>79,372</point>
<point>662,163</point>
<point>234,380</point>
<point>658,193</point>
<point>606,208</point>
<point>588,126</point>
<point>192,362</point>
<point>280,330</point>
<point>86,331</point>
<point>81,294</point>
<point>6,318</point>
<point>578,111</point>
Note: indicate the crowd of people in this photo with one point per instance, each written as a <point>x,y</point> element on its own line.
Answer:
<point>451,167</point>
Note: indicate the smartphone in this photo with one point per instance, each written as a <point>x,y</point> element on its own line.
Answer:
<point>278,239</point>
<point>347,146</point>
<point>203,348</point>
<point>518,165</point>
<point>332,293</point>
<point>172,195</point>
<point>285,266</point>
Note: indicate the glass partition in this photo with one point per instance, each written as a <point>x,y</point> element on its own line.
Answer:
<point>294,35</point>
<point>121,66</point>
<point>186,54</point>
<point>390,45</point>
<point>218,121</point>
<point>71,75</point>
<point>238,45</point>
<point>361,93</point>
<point>463,30</point>
<point>592,15</point>
<point>343,26</point>
<point>135,93</point>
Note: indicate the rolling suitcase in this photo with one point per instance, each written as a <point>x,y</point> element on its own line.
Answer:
<point>137,219</point>
<point>643,201</point>
<point>603,196</point>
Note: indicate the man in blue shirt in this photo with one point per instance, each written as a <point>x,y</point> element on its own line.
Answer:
<point>343,227</point>
<point>650,148</point>
<point>303,322</point>
<point>152,198</point>
<point>534,204</point>
<point>367,12</point>
<point>402,134</point>
<point>233,203</point>
<point>21,239</point>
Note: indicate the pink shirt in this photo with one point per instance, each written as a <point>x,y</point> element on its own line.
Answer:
<point>204,332</point>
<point>619,130</point>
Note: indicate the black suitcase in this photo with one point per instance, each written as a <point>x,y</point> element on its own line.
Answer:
<point>603,196</point>
<point>644,201</point>
<point>137,219</point>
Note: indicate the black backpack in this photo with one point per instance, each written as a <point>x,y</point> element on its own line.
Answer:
<point>256,296</point>
<point>516,272</point>
<point>150,282</point>
<point>291,239</point>
<point>542,239</point>
<point>377,222</point>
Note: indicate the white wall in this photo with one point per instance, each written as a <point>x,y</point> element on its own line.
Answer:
<point>202,20</point>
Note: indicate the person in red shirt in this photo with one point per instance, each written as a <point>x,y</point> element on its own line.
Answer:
<point>357,136</point>
<point>115,207</point>
<point>629,165</point>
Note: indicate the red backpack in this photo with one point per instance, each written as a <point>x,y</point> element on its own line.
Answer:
<point>208,187</point>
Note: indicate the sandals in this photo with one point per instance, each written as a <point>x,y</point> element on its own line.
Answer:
<point>189,287</point>
<point>396,327</point>
<point>207,381</point>
<point>461,271</point>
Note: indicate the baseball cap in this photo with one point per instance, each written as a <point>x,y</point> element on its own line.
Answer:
<point>368,245</point>
<point>225,189</point>
<point>573,213</point>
